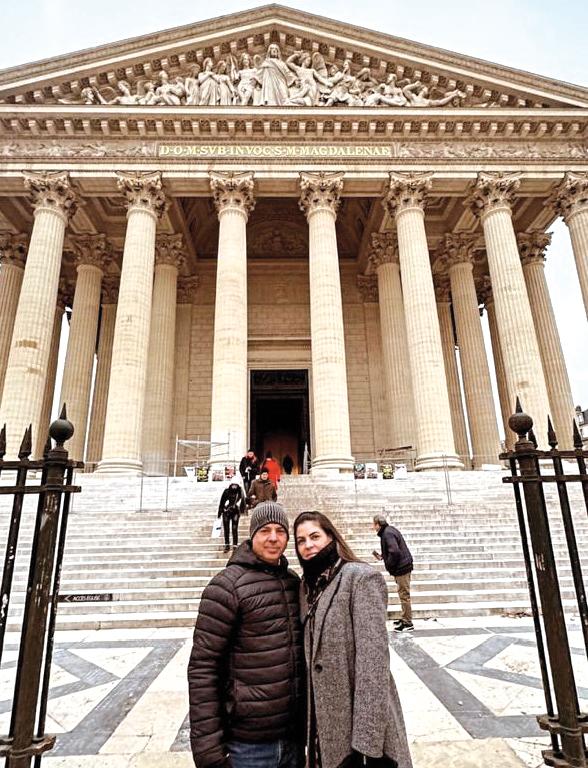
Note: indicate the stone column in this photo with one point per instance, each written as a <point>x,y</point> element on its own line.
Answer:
<point>460,435</point>
<point>332,440</point>
<point>405,201</point>
<point>91,254</point>
<point>491,199</point>
<point>159,395</point>
<point>13,250</point>
<point>384,261</point>
<point>233,197</point>
<point>64,298</point>
<point>459,250</point>
<point>570,199</point>
<point>121,451</point>
<point>103,361</point>
<point>486,298</point>
<point>532,247</point>
<point>187,287</point>
<point>26,371</point>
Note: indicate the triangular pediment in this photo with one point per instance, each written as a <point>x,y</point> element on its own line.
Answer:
<point>323,63</point>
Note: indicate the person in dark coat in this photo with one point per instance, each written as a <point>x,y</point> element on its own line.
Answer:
<point>246,670</point>
<point>262,489</point>
<point>355,717</point>
<point>398,562</point>
<point>230,508</point>
<point>249,469</point>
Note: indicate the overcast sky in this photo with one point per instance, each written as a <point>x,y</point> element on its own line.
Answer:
<point>535,35</point>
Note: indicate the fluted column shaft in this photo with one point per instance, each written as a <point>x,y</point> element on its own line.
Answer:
<point>503,394</point>
<point>79,360</point>
<point>186,294</point>
<point>101,382</point>
<point>435,442</point>
<point>492,199</point>
<point>11,274</point>
<point>159,396</point>
<point>233,195</point>
<point>554,365</point>
<point>126,395</point>
<point>49,393</point>
<point>570,199</point>
<point>474,365</point>
<point>332,438</point>
<point>458,422</point>
<point>394,342</point>
<point>26,372</point>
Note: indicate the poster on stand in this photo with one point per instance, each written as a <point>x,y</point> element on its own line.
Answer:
<point>387,471</point>
<point>371,470</point>
<point>229,471</point>
<point>218,475</point>
<point>202,474</point>
<point>359,471</point>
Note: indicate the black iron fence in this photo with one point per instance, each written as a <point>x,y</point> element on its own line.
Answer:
<point>26,739</point>
<point>530,470</point>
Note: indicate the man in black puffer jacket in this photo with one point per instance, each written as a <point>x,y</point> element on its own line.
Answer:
<point>246,671</point>
<point>398,561</point>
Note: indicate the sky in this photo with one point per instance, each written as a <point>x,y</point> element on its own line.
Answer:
<point>548,38</point>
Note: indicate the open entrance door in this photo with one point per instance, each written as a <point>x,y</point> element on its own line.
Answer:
<point>279,417</point>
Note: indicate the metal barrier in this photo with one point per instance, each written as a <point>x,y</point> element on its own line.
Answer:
<point>26,738</point>
<point>530,469</point>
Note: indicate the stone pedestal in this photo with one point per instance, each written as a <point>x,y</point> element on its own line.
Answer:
<point>12,262</point>
<point>460,435</point>
<point>92,252</point>
<point>26,371</point>
<point>233,197</point>
<point>434,433</point>
<point>385,262</point>
<point>459,250</point>
<point>332,441</point>
<point>571,201</point>
<point>157,423</point>
<point>491,199</point>
<point>102,378</point>
<point>126,395</point>
<point>532,249</point>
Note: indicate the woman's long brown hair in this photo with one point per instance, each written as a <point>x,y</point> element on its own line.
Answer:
<point>343,549</point>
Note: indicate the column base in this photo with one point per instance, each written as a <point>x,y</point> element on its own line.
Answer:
<point>119,467</point>
<point>438,461</point>
<point>332,467</point>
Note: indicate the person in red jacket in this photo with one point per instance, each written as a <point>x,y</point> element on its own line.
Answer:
<point>273,469</point>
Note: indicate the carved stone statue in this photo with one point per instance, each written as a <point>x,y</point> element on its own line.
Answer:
<point>275,77</point>
<point>417,95</point>
<point>248,86</point>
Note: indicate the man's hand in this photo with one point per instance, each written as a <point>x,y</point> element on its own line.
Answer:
<point>377,555</point>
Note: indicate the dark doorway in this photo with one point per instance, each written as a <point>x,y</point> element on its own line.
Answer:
<point>279,416</point>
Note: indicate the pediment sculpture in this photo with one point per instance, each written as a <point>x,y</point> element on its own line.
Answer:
<point>302,80</point>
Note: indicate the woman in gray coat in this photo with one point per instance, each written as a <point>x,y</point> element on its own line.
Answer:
<point>354,713</point>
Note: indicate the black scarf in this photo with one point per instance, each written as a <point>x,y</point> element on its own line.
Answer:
<point>317,565</point>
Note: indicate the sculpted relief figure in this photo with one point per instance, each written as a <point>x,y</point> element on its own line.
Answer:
<point>300,80</point>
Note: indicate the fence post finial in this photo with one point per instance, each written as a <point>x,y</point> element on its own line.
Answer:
<point>26,445</point>
<point>577,436</point>
<point>551,436</point>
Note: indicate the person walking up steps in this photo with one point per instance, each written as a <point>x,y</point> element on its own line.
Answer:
<point>398,562</point>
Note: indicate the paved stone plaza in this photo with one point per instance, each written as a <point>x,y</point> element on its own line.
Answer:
<point>470,690</point>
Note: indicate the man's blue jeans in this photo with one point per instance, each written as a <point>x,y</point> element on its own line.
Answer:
<point>268,754</point>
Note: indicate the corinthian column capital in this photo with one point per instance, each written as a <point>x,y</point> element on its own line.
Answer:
<point>384,249</point>
<point>65,293</point>
<point>442,289</point>
<point>91,250</point>
<point>169,249</point>
<point>532,246</point>
<point>320,191</point>
<point>571,196</point>
<point>51,191</point>
<point>459,248</point>
<point>13,249</point>
<point>233,191</point>
<point>407,190</point>
<point>143,191</point>
<point>367,286</point>
<point>110,285</point>
<point>484,291</point>
<point>187,287</point>
<point>492,191</point>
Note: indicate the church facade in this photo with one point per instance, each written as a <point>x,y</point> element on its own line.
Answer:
<point>274,230</point>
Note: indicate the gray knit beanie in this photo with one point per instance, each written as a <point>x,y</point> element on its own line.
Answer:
<point>268,512</point>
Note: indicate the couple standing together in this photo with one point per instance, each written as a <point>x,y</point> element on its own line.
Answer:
<point>254,702</point>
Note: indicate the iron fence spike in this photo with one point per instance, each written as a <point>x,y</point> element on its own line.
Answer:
<point>63,414</point>
<point>2,441</point>
<point>577,436</point>
<point>47,447</point>
<point>518,406</point>
<point>532,438</point>
<point>551,436</point>
<point>26,445</point>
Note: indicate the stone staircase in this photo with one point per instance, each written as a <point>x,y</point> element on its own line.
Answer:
<point>147,542</point>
